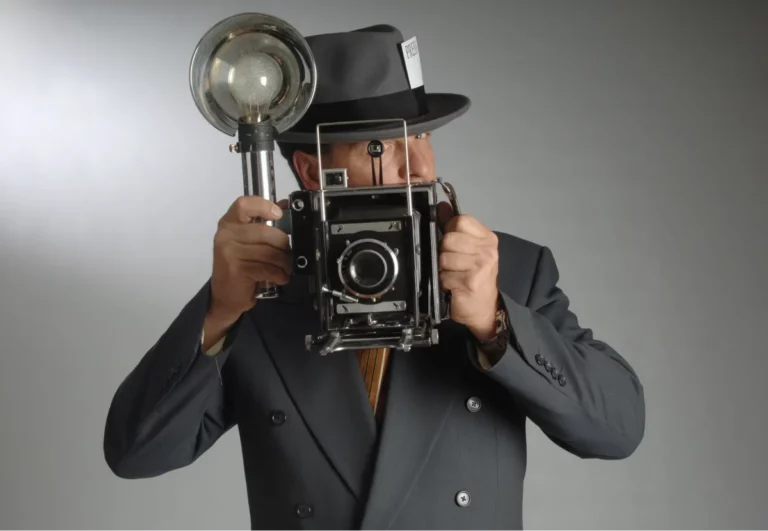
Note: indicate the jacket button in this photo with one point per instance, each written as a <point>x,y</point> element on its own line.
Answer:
<point>303,511</point>
<point>548,367</point>
<point>463,498</point>
<point>555,374</point>
<point>474,404</point>
<point>278,418</point>
<point>561,380</point>
<point>539,359</point>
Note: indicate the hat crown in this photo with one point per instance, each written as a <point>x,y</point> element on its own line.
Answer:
<point>363,77</point>
<point>363,63</point>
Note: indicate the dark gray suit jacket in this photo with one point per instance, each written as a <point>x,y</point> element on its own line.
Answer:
<point>313,455</point>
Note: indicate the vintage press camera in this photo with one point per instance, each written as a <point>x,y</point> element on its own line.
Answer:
<point>373,256</point>
<point>371,252</point>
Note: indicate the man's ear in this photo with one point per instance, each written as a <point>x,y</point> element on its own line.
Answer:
<point>306,166</point>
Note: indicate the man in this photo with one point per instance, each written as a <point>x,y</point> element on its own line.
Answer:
<point>447,447</point>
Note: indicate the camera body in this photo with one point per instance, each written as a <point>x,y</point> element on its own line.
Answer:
<point>373,256</point>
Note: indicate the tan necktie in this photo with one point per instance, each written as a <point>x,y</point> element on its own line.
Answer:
<point>373,366</point>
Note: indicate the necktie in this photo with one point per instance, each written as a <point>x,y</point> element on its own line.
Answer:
<point>373,366</point>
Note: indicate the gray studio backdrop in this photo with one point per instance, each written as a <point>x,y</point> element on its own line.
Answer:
<point>630,137</point>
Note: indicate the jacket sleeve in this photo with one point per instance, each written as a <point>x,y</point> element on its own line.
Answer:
<point>172,407</point>
<point>582,394</point>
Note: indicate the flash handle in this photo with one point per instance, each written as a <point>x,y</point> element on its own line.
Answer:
<point>256,144</point>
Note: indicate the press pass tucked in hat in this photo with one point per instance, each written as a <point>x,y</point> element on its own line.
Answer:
<point>371,74</point>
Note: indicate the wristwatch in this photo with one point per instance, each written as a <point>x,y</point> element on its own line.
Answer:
<point>495,346</point>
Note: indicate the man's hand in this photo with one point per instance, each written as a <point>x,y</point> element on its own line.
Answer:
<point>469,267</point>
<point>244,254</point>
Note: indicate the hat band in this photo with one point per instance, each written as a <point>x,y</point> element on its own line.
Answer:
<point>406,105</point>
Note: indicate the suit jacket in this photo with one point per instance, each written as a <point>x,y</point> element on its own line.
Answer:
<point>451,452</point>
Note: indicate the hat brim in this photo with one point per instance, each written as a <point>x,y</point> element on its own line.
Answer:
<point>443,108</point>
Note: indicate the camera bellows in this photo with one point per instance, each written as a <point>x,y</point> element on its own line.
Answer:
<point>373,366</point>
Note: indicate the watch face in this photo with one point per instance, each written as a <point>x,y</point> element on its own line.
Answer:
<point>501,321</point>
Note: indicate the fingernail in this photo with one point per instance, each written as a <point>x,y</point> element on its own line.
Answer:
<point>277,211</point>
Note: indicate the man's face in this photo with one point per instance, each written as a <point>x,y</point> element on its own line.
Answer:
<point>355,158</point>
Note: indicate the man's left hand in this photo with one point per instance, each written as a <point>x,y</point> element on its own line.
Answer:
<point>469,268</point>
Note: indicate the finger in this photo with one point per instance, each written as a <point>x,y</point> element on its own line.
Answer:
<point>452,280</point>
<point>457,262</point>
<point>260,272</point>
<point>444,214</point>
<point>251,233</point>
<point>459,242</point>
<point>263,253</point>
<point>249,207</point>
<point>468,225</point>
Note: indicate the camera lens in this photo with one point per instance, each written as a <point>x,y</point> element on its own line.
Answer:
<point>367,268</point>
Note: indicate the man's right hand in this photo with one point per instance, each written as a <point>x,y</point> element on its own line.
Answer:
<point>244,254</point>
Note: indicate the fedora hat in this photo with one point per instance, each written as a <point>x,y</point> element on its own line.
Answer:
<point>370,74</point>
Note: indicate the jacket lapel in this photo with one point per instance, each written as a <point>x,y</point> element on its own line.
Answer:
<point>419,398</point>
<point>328,391</point>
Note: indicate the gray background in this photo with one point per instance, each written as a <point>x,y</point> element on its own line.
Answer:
<point>631,138</point>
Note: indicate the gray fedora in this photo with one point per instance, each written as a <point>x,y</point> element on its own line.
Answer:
<point>367,74</point>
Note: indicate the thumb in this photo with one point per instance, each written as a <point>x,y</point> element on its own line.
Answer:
<point>444,214</point>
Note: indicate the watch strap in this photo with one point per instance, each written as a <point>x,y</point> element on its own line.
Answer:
<point>495,346</point>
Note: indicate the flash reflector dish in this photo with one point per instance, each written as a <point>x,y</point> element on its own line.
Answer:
<point>252,68</point>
